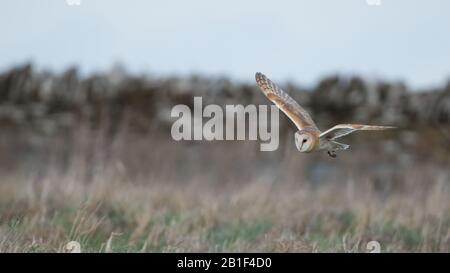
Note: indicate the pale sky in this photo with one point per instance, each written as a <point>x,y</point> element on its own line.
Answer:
<point>300,41</point>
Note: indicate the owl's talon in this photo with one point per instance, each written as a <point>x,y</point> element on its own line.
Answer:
<point>332,154</point>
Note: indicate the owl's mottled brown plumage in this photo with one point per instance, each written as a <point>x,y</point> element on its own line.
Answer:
<point>288,105</point>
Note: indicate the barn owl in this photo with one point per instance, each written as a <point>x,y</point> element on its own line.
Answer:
<point>309,138</point>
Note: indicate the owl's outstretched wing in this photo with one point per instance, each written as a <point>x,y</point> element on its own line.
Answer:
<point>282,100</point>
<point>341,130</point>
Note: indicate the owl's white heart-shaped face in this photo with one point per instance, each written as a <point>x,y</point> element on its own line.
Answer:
<point>304,141</point>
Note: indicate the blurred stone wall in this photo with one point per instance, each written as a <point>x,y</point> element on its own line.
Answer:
<point>47,102</point>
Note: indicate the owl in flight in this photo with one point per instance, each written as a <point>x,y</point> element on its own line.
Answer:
<point>309,138</point>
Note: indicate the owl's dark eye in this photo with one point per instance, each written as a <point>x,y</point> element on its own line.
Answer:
<point>304,140</point>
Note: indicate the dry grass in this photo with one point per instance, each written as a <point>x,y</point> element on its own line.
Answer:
<point>259,216</point>
<point>213,198</point>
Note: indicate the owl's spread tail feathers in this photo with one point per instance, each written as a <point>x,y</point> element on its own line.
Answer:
<point>338,146</point>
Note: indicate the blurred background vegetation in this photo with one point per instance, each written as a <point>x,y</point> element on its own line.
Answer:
<point>92,159</point>
<point>38,108</point>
